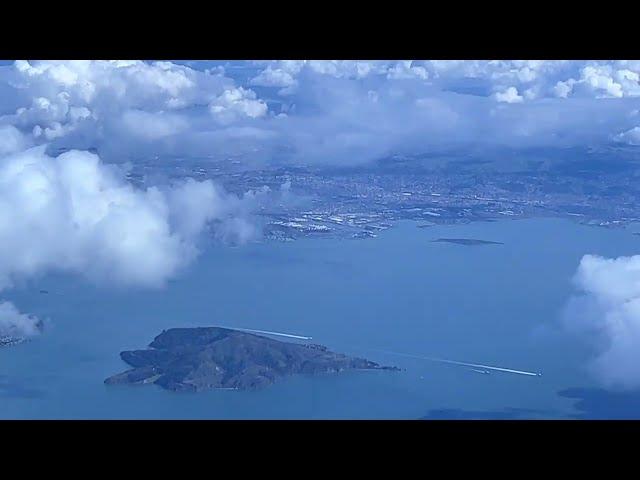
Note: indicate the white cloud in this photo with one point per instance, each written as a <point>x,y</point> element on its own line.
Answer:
<point>607,315</point>
<point>237,103</point>
<point>547,78</point>
<point>631,137</point>
<point>285,73</point>
<point>73,213</point>
<point>152,126</point>
<point>601,81</point>
<point>322,111</point>
<point>11,140</point>
<point>406,70</point>
<point>563,89</point>
<point>274,77</point>
<point>355,111</point>
<point>510,95</point>
<point>130,82</point>
<point>16,324</point>
<point>87,103</point>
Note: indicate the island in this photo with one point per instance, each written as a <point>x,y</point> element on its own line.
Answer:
<point>196,359</point>
<point>467,241</point>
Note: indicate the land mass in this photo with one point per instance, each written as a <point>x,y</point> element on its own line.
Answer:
<point>467,241</point>
<point>196,359</point>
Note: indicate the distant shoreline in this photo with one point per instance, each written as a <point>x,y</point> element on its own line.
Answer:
<point>467,241</point>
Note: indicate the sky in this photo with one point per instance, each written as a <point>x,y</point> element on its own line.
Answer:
<point>76,211</point>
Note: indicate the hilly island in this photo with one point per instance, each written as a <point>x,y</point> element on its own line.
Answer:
<point>196,359</point>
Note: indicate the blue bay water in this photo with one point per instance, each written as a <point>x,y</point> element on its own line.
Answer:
<point>491,304</point>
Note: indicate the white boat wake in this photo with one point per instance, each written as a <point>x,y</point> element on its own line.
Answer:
<point>464,364</point>
<point>484,368</point>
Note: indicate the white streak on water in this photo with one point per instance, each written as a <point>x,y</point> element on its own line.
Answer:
<point>464,364</point>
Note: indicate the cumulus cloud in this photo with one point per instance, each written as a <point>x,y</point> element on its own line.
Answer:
<point>601,81</point>
<point>607,315</point>
<point>74,213</point>
<point>120,106</point>
<point>274,77</point>
<point>237,103</point>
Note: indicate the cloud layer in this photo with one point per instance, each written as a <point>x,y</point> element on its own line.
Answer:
<point>607,315</point>
<point>418,106</point>
<point>338,112</point>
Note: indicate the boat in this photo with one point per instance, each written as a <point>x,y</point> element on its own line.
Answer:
<point>483,372</point>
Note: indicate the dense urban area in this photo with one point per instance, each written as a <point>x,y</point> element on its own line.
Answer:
<point>594,187</point>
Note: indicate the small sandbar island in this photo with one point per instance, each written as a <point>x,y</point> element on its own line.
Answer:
<point>196,359</point>
<point>467,241</point>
